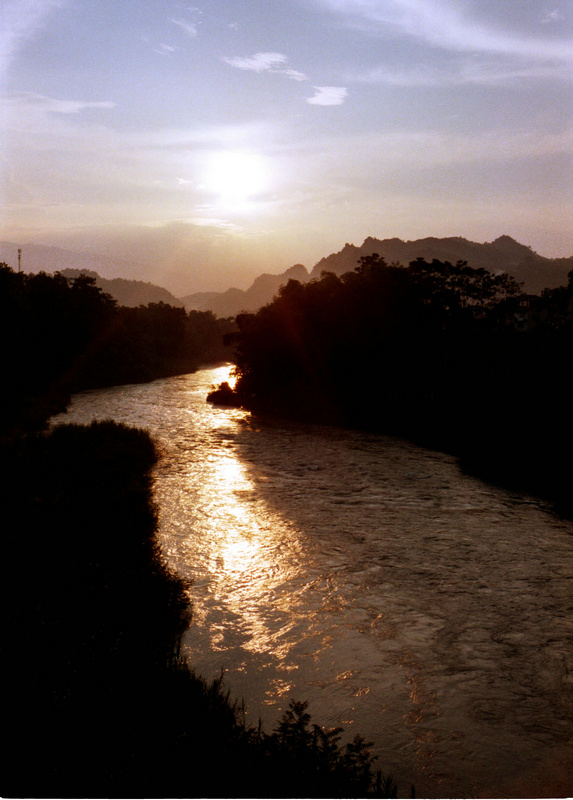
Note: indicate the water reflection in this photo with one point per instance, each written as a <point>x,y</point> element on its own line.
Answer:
<point>409,603</point>
<point>225,374</point>
<point>240,555</point>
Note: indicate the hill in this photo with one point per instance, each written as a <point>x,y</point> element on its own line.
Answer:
<point>234,301</point>
<point>46,258</point>
<point>127,292</point>
<point>502,255</point>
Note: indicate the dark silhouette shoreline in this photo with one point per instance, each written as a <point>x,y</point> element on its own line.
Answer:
<point>452,358</point>
<point>96,700</point>
<point>63,335</point>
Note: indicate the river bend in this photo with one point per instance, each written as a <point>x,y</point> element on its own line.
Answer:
<point>406,601</point>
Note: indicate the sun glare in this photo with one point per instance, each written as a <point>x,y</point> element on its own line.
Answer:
<point>236,177</point>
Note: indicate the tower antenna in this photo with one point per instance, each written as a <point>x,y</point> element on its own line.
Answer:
<point>19,259</point>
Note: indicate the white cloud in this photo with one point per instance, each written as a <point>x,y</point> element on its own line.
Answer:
<point>260,62</point>
<point>449,25</point>
<point>479,73</point>
<point>190,28</point>
<point>293,73</point>
<point>328,96</point>
<point>20,20</point>
<point>552,16</point>
<point>266,62</point>
<point>39,102</point>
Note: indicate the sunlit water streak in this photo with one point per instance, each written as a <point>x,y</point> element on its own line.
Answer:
<point>408,602</point>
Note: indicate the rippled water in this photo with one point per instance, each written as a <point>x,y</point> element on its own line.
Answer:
<point>410,603</point>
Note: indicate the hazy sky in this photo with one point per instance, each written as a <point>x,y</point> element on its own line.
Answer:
<point>213,140</point>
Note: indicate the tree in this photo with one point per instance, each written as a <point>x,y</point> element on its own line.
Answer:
<point>460,286</point>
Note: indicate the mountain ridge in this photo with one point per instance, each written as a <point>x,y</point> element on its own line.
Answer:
<point>235,301</point>
<point>128,292</point>
<point>504,254</point>
<point>49,259</point>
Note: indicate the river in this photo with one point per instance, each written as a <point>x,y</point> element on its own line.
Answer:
<point>408,602</point>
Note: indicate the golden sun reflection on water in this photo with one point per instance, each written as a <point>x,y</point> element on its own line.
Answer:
<point>225,373</point>
<point>371,578</point>
<point>249,553</point>
<point>242,555</point>
<point>238,555</point>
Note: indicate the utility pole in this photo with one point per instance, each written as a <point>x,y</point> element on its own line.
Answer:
<point>19,259</point>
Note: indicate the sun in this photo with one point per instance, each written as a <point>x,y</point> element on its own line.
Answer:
<point>236,177</point>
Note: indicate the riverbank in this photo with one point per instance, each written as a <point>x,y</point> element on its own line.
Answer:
<point>528,454</point>
<point>441,354</point>
<point>61,336</point>
<point>340,567</point>
<point>96,700</point>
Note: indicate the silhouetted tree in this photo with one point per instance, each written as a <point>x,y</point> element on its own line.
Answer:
<point>60,335</point>
<point>95,698</point>
<point>429,351</point>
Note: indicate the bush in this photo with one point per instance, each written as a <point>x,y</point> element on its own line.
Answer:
<point>96,700</point>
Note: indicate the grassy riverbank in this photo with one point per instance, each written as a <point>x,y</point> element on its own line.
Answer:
<point>96,701</point>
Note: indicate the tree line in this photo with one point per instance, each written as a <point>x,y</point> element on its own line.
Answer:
<point>436,352</point>
<point>61,335</point>
<point>96,698</point>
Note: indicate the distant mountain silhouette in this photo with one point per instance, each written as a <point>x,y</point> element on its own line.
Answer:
<point>234,301</point>
<point>502,255</point>
<point>127,292</point>
<point>46,258</point>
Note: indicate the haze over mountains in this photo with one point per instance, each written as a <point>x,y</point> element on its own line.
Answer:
<point>502,255</point>
<point>127,290</point>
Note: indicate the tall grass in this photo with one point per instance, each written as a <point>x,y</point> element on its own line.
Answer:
<point>96,701</point>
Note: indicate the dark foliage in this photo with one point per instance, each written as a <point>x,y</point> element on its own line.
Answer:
<point>95,700</point>
<point>61,335</point>
<point>303,759</point>
<point>223,395</point>
<point>441,353</point>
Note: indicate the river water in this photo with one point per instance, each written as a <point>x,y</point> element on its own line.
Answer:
<point>406,601</point>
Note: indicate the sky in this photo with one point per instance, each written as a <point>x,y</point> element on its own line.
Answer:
<point>212,140</point>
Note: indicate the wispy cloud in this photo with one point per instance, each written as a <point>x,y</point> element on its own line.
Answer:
<point>328,96</point>
<point>190,28</point>
<point>164,49</point>
<point>449,25</point>
<point>363,157</point>
<point>552,16</point>
<point>19,21</point>
<point>260,62</point>
<point>266,62</point>
<point>41,103</point>
<point>463,73</point>
<point>213,222</point>
<point>294,74</point>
